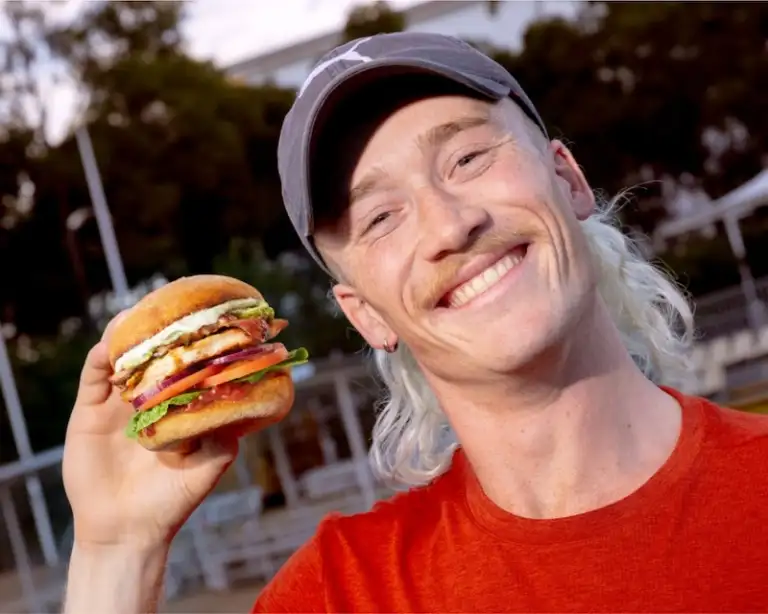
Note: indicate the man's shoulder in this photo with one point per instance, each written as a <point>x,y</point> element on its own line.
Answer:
<point>734,450</point>
<point>402,513</point>
<point>733,428</point>
<point>343,546</point>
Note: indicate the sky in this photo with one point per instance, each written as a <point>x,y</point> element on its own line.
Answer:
<point>230,30</point>
<point>223,31</point>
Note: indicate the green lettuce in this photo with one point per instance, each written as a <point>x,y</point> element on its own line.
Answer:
<point>259,311</point>
<point>143,419</point>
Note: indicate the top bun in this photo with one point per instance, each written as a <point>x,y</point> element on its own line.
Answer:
<point>171,302</point>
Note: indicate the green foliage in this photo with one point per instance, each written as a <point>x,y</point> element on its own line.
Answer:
<point>374,18</point>
<point>47,380</point>
<point>186,158</point>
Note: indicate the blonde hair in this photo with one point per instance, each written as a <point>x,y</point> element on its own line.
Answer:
<point>412,439</point>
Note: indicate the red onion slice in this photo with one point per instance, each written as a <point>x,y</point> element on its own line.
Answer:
<point>145,396</point>
<point>240,355</point>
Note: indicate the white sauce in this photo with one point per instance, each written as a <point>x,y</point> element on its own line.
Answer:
<point>139,354</point>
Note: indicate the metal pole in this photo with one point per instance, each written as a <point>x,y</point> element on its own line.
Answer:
<point>242,473</point>
<point>20,554</point>
<point>355,437</point>
<point>24,449</point>
<point>103,217</point>
<point>755,307</point>
<point>283,467</point>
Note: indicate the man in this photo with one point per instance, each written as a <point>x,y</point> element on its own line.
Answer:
<point>521,339</point>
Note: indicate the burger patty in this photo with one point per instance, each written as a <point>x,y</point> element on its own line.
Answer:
<point>256,330</point>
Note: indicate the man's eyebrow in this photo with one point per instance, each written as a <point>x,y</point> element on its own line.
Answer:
<point>439,135</point>
<point>367,185</point>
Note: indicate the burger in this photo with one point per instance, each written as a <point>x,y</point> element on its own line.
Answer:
<point>197,356</point>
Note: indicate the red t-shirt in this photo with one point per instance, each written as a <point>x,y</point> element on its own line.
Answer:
<point>694,538</point>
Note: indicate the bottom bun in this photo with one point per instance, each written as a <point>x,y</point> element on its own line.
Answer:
<point>263,404</point>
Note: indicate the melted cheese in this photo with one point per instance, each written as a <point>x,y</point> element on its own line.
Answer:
<point>142,352</point>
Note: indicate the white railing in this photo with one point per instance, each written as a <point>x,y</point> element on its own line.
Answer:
<point>726,312</point>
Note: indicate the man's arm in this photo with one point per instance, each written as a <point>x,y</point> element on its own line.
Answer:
<point>118,580</point>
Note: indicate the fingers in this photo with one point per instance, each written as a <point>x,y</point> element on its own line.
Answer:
<point>188,446</point>
<point>95,387</point>
<point>218,448</point>
<point>215,454</point>
<point>201,469</point>
<point>94,378</point>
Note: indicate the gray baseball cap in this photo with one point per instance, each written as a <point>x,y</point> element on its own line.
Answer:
<point>351,66</point>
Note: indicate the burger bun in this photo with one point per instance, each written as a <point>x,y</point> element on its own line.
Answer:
<point>171,302</point>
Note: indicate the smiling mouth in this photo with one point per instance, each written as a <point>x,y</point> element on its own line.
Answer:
<point>485,280</point>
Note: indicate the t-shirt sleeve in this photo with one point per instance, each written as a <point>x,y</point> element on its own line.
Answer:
<point>298,586</point>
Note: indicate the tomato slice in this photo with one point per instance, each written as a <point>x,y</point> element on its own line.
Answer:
<point>244,368</point>
<point>177,388</point>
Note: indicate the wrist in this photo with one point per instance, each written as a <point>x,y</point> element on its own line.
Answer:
<point>117,578</point>
<point>120,551</point>
<point>145,561</point>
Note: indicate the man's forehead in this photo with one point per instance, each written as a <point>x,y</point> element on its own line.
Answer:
<point>436,110</point>
<point>426,123</point>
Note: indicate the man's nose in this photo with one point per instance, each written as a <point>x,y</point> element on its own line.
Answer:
<point>448,224</point>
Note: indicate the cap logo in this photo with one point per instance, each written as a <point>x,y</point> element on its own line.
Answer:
<point>350,55</point>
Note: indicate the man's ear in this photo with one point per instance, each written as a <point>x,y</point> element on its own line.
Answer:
<point>572,178</point>
<point>364,317</point>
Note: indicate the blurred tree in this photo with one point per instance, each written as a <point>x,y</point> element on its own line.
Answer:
<point>375,18</point>
<point>187,159</point>
<point>16,131</point>
<point>47,374</point>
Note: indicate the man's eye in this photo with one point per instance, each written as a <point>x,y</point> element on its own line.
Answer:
<point>377,220</point>
<point>471,164</point>
<point>468,159</point>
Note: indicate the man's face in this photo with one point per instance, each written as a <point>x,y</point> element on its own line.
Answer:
<point>459,235</point>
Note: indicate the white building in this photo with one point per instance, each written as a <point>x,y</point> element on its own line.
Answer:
<point>466,19</point>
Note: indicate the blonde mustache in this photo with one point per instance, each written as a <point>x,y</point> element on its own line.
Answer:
<point>444,274</point>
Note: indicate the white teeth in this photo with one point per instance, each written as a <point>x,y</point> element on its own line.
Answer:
<point>483,281</point>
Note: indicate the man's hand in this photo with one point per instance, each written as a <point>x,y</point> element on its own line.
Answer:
<point>124,498</point>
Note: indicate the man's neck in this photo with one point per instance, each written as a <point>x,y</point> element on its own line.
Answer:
<point>585,438</point>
